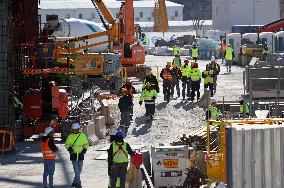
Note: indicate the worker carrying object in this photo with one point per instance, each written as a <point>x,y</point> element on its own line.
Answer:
<point>243,107</point>
<point>208,76</point>
<point>131,91</point>
<point>152,79</point>
<point>176,50</point>
<point>167,77</point>
<point>125,104</point>
<point>229,56</point>
<point>148,95</point>
<point>185,71</point>
<point>177,61</point>
<point>118,160</point>
<point>176,74</point>
<point>194,52</point>
<point>77,144</point>
<point>48,149</point>
<point>213,113</point>
<point>216,69</point>
<point>195,76</point>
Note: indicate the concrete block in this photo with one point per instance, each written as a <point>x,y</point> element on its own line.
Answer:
<point>89,129</point>
<point>105,111</point>
<point>100,127</point>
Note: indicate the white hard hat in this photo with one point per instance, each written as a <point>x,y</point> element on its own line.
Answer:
<point>75,126</point>
<point>113,132</point>
<point>213,100</point>
<point>48,130</point>
<point>213,58</point>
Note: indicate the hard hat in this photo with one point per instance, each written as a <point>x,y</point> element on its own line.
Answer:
<point>75,126</point>
<point>174,65</point>
<point>127,80</point>
<point>229,45</point>
<point>148,84</point>
<point>213,58</point>
<point>195,65</point>
<point>213,100</point>
<point>119,133</point>
<point>169,63</point>
<point>149,72</point>
<point>123,90</point>
<point>186,61</point>
<point>48,130</point>
<point>113,132</point>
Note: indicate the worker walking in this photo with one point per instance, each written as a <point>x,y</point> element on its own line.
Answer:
<point>149,96</point>
<point>208,76</point>
<point>131,91</point>
<point>125,104</point>
<point>152,79</point>
<point>118,160</point>
<point>229,56</point>
<point>48,149</point>
<point>195,76</point>
<point>166,75</point>
<point>244,108</point>
<point>216,69</point>
<point>176,74</point>
<point>77,145</point>
<point>176,50</point>
<point>194,52</point>
<point>185,70</point>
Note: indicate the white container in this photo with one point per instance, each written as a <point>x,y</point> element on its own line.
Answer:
<point>250,36</point>
<point>267,38</point>
<point>235,40</point>
<point>169,165</point>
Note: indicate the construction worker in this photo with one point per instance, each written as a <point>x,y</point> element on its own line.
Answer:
<point>216,69</point>
<point>77,144</point>
<point>131,91</point>
<point>152,79</point>
<point>242,108</point>
<point>194,52</point>
<point>145,39</point>
<point>213,113</point>
<point>176,50</point>
<point>264,52</point>
<point>125,104</point>
<point>195,76</point>
<point>185,71</point>
<point>177,61</point>
<point>148,95</point>
<point>167,77</point>
<point>48,149</point>
<point>229,56</point>
<point>176,74</point>
<point>118,160</point>
<point>223,49</point>
<point>208,76</point>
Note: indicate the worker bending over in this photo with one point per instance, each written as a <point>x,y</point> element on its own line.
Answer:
<point>195,76</point>
<point>118,160</point>
<point>208,76</point>
<point>216,69</point>
<point>185,71</point>
<point>149,95</point>
<point>166,75</point>
<point>176,74</point>
<point>125,104</point>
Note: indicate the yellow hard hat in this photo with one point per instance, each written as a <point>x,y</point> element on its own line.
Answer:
<point>169,63</point>
<point>148,84</point>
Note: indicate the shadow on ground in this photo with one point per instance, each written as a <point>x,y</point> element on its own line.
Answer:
<point>161,105</point>
<point>137,131</point>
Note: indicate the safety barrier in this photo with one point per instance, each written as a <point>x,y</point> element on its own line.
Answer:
<point>6,141</point>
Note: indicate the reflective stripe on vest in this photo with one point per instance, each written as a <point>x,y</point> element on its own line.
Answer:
<point>209,77</point>
<point>47,153</point>
<point>185,70</point>
<point>147,95</point>
<point>176,50</point>
<point>242,108</point>
<point>167,75</point>
<point>194,52</point>
<point>195,74</point>
<point>229,54</point>
<point>119,153</point>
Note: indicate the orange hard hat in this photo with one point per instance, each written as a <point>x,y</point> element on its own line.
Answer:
<point>186,61</point>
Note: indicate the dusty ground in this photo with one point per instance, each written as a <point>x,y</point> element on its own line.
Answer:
<point>24,168</point>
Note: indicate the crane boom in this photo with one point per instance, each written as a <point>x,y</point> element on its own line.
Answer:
<point>160,16</point>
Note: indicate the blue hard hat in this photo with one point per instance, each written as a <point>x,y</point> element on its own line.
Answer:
<point>119,133</point>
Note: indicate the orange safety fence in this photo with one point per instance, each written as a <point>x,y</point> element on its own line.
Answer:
<point>6,141</point>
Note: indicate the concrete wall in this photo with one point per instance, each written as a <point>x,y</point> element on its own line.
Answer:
<point>226,13</point>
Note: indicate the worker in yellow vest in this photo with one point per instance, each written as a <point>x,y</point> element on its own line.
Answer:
<point>208,76</point>
<point>194,52</point>
<point>118,159</point>
<point>177,61</point>
<point>229,56</point>
<point>213,113</point>
<point>195,77</point>
<point>176,50</point>
<point>185,78</point>
<point>243,107</point>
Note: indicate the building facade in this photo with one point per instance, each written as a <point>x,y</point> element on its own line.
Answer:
<point>226,13</point>
<point>84,9</point>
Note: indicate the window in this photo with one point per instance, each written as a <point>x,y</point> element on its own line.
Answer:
<point>93,15</point>
<point>176,13</point>
<point>137,19</point>
<point>67,16</point>
<point>141,14</point>
<point>80,16</point>
<point>117,15</point>
<point>149,18</point>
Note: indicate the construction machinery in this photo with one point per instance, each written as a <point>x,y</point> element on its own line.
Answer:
<point>160,16</point>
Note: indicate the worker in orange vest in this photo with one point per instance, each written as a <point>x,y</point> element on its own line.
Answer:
<point>223,49</point>
<point>48,149</point>
<point>167,77</point>
<point>131,91</point>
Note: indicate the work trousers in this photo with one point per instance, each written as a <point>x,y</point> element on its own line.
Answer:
<point>150,111</point>
<point>195,87</point>
<point>167,86</point>
<point>211,88</point>
<point>175,85</point>
<point>215,83</point>
<point>229,65</point>
<point>185,85</point>
<point>118,170</point>
<point>49,168</point>
<point>77,167</point>
<point>125,118</point>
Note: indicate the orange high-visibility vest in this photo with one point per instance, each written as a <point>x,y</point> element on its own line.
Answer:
<point>167,75</point>
<point>47,153</point>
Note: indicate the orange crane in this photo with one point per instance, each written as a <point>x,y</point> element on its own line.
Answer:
<point>160,16</point>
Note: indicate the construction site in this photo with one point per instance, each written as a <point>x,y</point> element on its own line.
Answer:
<point>205,108</point>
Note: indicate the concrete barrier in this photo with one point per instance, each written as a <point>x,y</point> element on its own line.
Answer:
<point>105,111</point>
<point>100,128</point>
<point>89,128</point>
